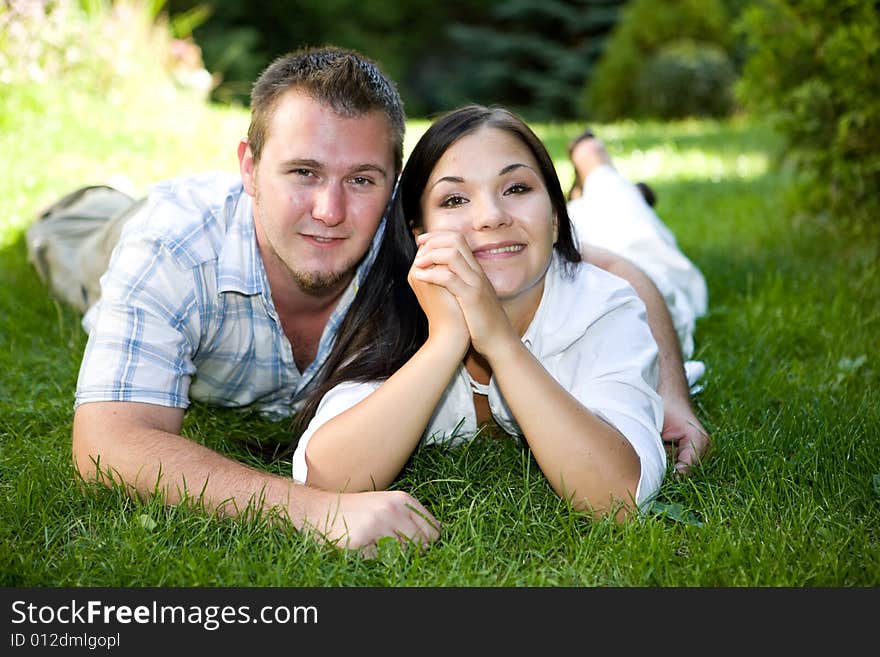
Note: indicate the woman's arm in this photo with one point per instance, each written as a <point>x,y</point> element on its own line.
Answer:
<point>366,446</point>
<point>585,459</point>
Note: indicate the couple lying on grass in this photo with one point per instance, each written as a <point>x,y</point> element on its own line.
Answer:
<point>285,290</point>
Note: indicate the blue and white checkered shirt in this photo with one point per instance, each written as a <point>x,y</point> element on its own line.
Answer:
<point>186,311</point>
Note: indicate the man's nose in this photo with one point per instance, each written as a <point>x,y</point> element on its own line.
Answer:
<point>329,206</point>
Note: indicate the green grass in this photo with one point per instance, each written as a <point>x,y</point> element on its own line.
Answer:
<point>789,497</point>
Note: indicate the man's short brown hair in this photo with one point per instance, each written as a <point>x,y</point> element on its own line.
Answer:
<point>342,79</point>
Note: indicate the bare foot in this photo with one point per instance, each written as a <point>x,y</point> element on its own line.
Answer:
<point>586,153</point>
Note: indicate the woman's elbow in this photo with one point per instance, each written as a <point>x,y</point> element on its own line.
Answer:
<point>620,507</point>
<point>331,477</point>
<point>615,498</point>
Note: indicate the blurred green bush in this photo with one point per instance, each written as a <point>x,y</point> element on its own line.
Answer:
<point>686,44</point>
<point>812,70</point>
<point>686,78</point>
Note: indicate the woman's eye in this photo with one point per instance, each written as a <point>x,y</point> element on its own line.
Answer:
<point>517,188</point>
<point>453,201</point>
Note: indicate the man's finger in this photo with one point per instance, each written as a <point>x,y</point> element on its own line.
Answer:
<point>368,551</point>
<point>427,524</point>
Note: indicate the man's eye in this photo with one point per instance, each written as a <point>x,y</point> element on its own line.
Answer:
<point>453,201</point>
<point>304,173</point>
<point>361,180</point>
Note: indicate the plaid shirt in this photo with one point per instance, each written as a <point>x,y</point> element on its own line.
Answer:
<point>186,311</point>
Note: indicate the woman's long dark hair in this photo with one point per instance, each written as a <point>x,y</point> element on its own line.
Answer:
<point>385,325</point>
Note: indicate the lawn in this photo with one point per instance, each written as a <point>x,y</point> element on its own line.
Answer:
<point>789,497</point>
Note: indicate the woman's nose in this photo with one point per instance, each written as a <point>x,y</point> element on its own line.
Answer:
<point>489,214</point>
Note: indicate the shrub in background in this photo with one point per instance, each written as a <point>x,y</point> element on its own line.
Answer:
<point>648,41</point>
<point>686,78</point>
<point>812,71</point>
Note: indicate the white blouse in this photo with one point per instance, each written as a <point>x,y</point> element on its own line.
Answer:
<point>591,334</point>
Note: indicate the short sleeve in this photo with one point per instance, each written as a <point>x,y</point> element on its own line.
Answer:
<point>336,401</point>
<point>620,355</point>
<point>144,330</point>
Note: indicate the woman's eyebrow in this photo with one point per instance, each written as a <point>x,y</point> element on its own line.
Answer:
<point>452,179</point>
<point>459,179</point>
<point>514,166</point>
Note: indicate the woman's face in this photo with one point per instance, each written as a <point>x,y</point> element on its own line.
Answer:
<point>488,187</point>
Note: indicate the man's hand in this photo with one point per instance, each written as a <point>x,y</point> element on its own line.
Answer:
<point>688,441</point>
<point>357,521</point>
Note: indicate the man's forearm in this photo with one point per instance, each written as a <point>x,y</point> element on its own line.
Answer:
<point>114,446</point>
<point>139,447</point>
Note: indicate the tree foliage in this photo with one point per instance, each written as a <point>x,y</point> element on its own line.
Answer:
<point>240,38</point>
<point>533,55</point>
<point>685,78</point>
<point>812,70</point>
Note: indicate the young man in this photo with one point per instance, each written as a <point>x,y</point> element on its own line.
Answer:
<point>227,289</point>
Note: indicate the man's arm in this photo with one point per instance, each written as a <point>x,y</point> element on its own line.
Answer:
<point>681,427</point>
<point>140,446</point>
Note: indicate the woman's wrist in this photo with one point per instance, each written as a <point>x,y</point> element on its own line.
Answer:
<point>453,344</point>
<point>503,351</point>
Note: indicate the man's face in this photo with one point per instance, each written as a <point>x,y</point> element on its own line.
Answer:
<point>320,188</point>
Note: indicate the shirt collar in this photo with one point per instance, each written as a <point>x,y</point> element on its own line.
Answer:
<point>239,266</point>
<point>550,330</point>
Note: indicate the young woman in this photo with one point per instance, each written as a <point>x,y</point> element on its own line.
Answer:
<point>494,317</point>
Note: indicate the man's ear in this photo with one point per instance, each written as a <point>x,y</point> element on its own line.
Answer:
<point>247,167</point>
